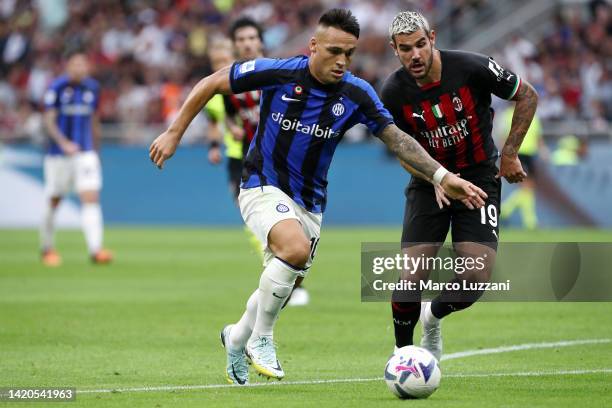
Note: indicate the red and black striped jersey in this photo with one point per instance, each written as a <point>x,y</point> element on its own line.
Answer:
<point>452,119</point>
<point>245,107</point>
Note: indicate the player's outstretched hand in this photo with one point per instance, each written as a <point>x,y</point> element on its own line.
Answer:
<point>163,148</point>
<point>237,132</point>
<point>460,189</point>
<point>510,167</point>
<point>442,199</point>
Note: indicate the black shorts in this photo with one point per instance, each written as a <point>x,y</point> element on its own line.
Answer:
<point>234,171</point>
<point>528,163</point>
<point>425,222</point>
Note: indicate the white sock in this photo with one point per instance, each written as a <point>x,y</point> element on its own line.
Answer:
<point>240,333</point>
<point>275,286</point>
<point>47,231</point>
<point>428,317</point>
<point>91,215</point>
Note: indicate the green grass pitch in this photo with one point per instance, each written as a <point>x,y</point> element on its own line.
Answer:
<point>153,317</point>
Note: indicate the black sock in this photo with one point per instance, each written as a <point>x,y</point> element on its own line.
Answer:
<point>448,302</point>
<point>405,318</point>
<point>440,308</point>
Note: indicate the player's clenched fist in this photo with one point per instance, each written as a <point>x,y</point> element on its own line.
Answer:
<point>162,148</point>
<point>460,189</point>
<point>510,167</point>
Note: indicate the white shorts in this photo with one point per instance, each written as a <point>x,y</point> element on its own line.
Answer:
<point>64,174</point>
<point>263,207</point>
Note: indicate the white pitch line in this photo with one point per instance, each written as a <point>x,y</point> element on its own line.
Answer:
<point>341,380</point>
<point>452,356</point>
<point>526,346</point>
<point>533,373</point>
<point>214,386</point>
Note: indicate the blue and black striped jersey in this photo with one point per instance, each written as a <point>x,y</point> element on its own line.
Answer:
<point>75,104</point>
<point>301,123</point>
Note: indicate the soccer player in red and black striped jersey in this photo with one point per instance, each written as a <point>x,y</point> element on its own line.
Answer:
<point>443,99</point>
<point>243,109</point>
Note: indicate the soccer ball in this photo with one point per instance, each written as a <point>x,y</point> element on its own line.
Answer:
<point>412,372</point>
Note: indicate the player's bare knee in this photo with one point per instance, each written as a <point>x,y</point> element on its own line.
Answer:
<point>296,253</point>
<point>288,242</point>
<point>482,261</point>
<point>55,201</point>
<point>476,276</point>
<point>89,197</point>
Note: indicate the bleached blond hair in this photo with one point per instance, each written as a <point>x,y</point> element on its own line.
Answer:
<point>408,22</point>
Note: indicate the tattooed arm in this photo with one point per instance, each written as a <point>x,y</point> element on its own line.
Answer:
<point>526,103</point>
<point>414,171</point>
<point>408,150</point>
<point>441,197</point>
<point>415,157</point>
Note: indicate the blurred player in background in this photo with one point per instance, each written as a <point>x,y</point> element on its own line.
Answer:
<point>220,55</point>
<point>524,197</point>
<point>570,151</point>
<point>308,103</point>
<point>71,162</point>
<point>443,99</point>
<point>243,109</point>
<point>241,112</point>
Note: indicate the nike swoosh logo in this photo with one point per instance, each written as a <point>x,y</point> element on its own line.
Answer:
<point>288,99</point>
<point>276,296</point>
<point>236,377</point>
<point>278,367</point>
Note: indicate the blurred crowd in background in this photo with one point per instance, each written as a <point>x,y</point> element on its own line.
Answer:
<point>571,67</point>
<point>147,55</point>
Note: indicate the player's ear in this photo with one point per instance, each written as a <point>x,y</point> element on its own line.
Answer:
<point>432,37</point>
<point>312,45</point>
<point>393,46</point>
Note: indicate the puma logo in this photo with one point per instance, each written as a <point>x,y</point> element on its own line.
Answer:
<point>416,115</point>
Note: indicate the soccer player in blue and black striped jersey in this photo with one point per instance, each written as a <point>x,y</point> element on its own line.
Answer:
<point>307,104</point>
<point>71,162</point>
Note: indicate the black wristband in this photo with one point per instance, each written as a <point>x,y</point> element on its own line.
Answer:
<point>214,145</point>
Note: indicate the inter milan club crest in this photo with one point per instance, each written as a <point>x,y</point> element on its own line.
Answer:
<point>298,90</point>
<point>282,208</point>
<point>338,109</point>
<point>457,104</point>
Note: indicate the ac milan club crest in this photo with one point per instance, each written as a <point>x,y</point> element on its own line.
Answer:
<point>457,104</point>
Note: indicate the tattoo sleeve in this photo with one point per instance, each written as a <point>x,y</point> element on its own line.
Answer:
<point>409,150</point>
<point>413,171</point>
<point>526,103</point>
